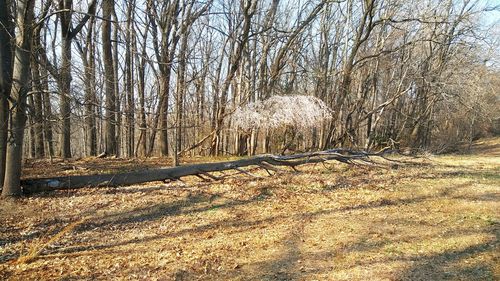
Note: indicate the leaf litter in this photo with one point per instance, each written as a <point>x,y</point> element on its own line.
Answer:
<point>428,222</point>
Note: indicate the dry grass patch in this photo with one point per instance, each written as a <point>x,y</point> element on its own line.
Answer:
<point>431,222</point>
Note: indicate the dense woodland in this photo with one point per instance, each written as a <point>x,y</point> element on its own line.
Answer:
<point>164,78</point>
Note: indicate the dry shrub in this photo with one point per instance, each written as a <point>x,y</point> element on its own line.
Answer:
<point>296,111</point>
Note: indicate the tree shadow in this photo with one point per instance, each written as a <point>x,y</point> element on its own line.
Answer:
<point>286,266</point>
<point>65,193</point>
<point>442,266</point>
<point>189,205</point>
<point>231,226</point>
<point>145,214</point>
<point>445,266</point>
<point>423,267</point>
<point>485,197</point>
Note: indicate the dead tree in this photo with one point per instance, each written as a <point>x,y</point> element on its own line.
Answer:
<point>267,162</point>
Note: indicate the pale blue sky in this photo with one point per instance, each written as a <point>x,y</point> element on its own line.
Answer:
<point>492,17</point>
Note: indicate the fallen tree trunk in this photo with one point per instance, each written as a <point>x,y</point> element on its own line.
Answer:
<point>175,173</point>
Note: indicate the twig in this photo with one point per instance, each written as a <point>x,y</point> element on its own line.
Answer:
<point>211,176</point>
<point>35,252</point>
<point>246,173</point>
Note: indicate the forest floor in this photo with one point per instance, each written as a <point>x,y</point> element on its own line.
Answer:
<point>435,221</point>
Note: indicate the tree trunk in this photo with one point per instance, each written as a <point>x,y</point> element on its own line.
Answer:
<point>129,77</point>
<point>163,111</point>
<point>110,121</point>
<point>47,113</point>
<point>5,80</point>
<point>20,88</point>
<point>65,79</point>
<point>181,88</point>
<point>37,96</point>
<point>116,81</point>
<point>38,112</point>
<point>164,46</point>
<point>201,170</point>
<point>141,65</point>
<point>90,92</point>
<point>31,127</point>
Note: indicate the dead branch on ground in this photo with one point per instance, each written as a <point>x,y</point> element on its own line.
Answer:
<point>266,162</point>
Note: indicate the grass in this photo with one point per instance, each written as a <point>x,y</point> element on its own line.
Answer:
<point>36,249</point>
<point>431,222</point>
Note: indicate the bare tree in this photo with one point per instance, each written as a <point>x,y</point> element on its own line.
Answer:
<point>5,79</point>
<point>165,76</point>
<point>63,74</point>
<point>87,53</point>
<point>109,72</point>
<point>129,77</point>
<point>248,9</point>
<point>189,17</point>
<point>19,93</point>
<point>164,26</point>
<point>141,79</point>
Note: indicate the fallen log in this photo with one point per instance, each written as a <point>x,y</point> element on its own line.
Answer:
<point>200,170</point>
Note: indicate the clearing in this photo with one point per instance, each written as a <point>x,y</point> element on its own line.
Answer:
<point>435,221</point>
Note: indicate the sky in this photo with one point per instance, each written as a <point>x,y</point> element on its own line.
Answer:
<point>492,17</point>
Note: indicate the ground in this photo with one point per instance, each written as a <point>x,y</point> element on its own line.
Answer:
<point>434,221</point>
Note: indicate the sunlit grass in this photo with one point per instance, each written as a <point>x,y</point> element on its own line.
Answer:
<point>437,221</point>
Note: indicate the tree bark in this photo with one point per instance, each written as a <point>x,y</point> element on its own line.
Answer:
<point>19,92</point>
<point>47,111</point>
<point>116,81</point>
<point>203,169</point>
<point>110,119</point>
<point>141,66</point>
<point>38,91</point>
<point>31,125</point>
<point>65,79</point>
<point>5,80</point>
<point>88,55</point>
<point>129,77</point>
<point>181,86</point>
